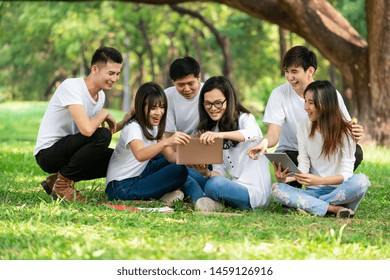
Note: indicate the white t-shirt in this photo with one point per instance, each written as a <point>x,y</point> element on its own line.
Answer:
<point>183,113</point>
<point>253,174</point>
<point>123,164</point>
<point>286,109</point>
<point>57,121</point>
<point>310,161</point>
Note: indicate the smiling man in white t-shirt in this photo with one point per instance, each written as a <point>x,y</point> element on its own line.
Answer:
<point>285,107</point>
<point>70,143</point>
<point>183,114</point>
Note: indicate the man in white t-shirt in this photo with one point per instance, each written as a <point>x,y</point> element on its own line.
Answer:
<point>70,143</point>
<point>183,97</point>
<point>285,107</point>
<point>183,100</point>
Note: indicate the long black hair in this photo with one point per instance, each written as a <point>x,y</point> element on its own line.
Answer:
<point>331,122</point>
<point>229,120</point>
<point>148,95</point>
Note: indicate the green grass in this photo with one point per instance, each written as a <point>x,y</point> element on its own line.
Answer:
<point>32,226</point>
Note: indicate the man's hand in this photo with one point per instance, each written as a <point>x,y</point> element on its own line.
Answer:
<point>111,123</point>
<point>357,130</point>
<point>126,118</point>
<point>259,148</point>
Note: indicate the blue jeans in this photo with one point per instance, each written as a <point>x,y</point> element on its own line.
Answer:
<point>217,188</point>
<point>158,178</point>
<point>316,201</point>
<point>194,185</point>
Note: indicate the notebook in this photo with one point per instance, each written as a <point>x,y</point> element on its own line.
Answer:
<point>198,153</point>
<point>284,160</point>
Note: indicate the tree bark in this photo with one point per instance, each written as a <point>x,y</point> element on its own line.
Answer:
<point>365,66</point>
<point>142,26</point>
<point>332,75</point>
<point>282,47</point>
<point>378,23</point>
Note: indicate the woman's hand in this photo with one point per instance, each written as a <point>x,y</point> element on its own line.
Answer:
<point>209,137</point>
<point>280,174</point>
<point>178,138</point>
<point>308,179</point>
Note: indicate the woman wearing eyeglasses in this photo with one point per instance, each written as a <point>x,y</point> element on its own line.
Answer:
<point>239,182</point>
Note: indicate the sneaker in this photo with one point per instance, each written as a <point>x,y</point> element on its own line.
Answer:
<point>208,205</point>
<point>171,197</point>
<point>345,213</point>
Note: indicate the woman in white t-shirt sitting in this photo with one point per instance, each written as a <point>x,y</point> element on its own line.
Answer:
<point>326,159</point>
<point>134,171</point>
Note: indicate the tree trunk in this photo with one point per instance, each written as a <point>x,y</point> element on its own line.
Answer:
<point>364,67</point>
<point>378,23</point>
<point>282,47</point>
<point>148,46</point>
<point>139,79</point>
<point>171,56</point>
<point>197,48</point>
<point>332,75</point>
<point>126,99</point>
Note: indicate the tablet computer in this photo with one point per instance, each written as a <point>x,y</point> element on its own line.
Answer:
<point>197,153</point>
<point>284,160</point>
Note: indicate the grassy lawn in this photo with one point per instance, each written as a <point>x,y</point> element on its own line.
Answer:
<point>32,226</point>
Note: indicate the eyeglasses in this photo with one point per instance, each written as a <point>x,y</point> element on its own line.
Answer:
<point>217,104</point>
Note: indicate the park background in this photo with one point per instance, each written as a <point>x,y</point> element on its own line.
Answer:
<point>44,42</point>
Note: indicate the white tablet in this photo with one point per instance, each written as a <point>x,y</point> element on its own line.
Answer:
<point>284,160</point>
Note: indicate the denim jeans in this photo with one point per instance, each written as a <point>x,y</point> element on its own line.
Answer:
<point>158,178</point>
<point>316,201</point>
<point>193,187</point>
<point>217,188</point>
<point>78,157</point>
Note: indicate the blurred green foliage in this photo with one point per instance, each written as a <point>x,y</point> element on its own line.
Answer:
<point>43,43</point>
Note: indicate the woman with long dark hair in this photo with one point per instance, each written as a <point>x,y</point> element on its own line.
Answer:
<point>131,172</point>
<point>239,182</point>
<point>326,159</point>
